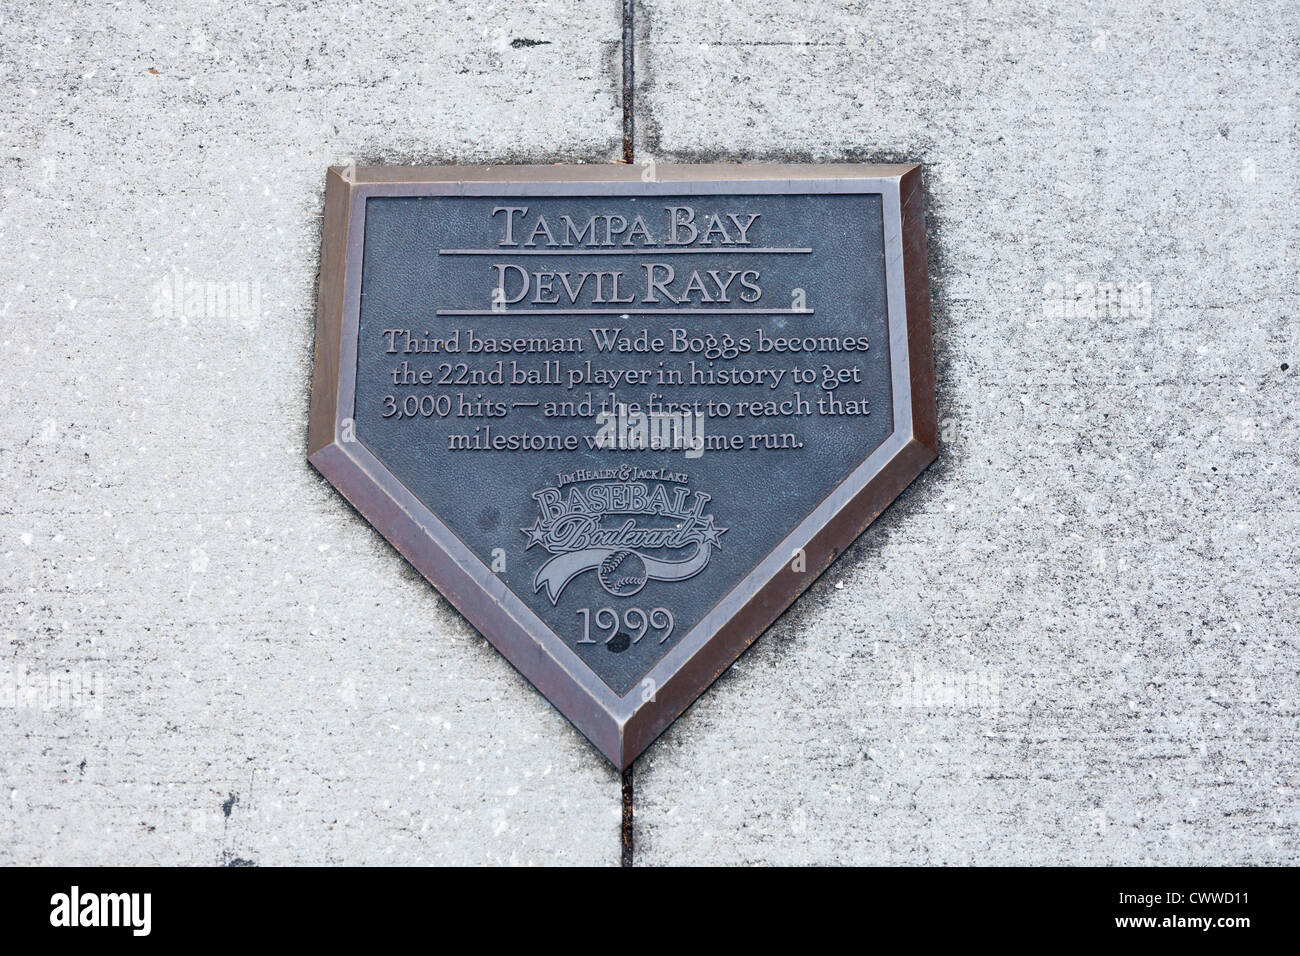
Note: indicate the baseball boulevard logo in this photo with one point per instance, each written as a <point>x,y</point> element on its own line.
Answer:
<point>639,525</point>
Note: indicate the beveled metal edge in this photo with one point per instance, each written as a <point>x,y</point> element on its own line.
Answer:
<point>619,172</point>
<point>621,728</point>
<point>329,313</point>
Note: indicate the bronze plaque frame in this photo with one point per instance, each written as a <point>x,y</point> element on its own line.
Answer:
<point>621,727</point>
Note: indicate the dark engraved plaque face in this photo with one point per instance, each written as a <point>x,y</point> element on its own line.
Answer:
<point>491,417</point>
<point>622,424</point>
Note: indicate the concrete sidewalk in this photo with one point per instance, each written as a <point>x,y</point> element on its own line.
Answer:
<point>1074,640</point>
<point>278,685</point>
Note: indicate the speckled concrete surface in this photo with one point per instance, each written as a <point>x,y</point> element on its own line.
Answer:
<point>1075,639</point>
<point>273,684</point>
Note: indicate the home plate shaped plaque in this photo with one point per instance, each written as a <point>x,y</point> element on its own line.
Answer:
<point>622,417</point>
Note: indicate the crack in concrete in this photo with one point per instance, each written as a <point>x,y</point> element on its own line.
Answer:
<point>629,102</point>
<point>626,829</point>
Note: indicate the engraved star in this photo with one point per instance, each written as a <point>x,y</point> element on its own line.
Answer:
<point>711,533</point>
<point>536,534</point>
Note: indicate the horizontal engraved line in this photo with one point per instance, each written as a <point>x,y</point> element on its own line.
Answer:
<point>701,250</point>
<point>625,312</point>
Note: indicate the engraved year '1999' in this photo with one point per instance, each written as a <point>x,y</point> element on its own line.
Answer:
<point>635,620</point>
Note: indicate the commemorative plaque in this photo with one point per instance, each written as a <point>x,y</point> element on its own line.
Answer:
<point>622,418</point>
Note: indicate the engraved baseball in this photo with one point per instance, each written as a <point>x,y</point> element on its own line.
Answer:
<point>622,573</point>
